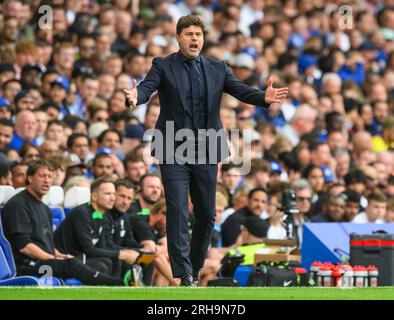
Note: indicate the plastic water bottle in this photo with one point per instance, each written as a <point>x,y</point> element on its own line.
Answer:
<point>315,266</point>
<point>348,277</point>
<point>373,275</point>
<point>325,276</point>
<point>337,277</point>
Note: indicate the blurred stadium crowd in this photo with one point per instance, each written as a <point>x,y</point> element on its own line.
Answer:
<point>332,141</point>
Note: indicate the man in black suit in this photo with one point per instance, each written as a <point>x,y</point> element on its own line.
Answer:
<point>190,88</point>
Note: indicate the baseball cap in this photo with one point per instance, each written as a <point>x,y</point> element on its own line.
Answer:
<point>328,174</point>
<point>6,67</point>
<point>244,60</point>
<point>134,131</point>
<point>352,196</point>
<point>20,95</point>
<point>275,167</point>
<point>96,129</point>
<point>74,161</point>
<point>368,46</point>
<point>32,66</point>
<point>4,103</point>
<point>251,135</point>
<point>61,81</point>
<point>306,60</point>
<point>250,51</point>
<point>256,226</point>
<point>103,150</point>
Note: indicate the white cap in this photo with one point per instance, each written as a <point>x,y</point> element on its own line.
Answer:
<point>243,60</point>
<point>96,129</point>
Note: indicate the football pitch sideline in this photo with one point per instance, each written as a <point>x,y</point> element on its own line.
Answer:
<point>211,293</point>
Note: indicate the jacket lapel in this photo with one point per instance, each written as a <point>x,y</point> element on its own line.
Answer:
<point>209,79</point>
<point>176,67</point>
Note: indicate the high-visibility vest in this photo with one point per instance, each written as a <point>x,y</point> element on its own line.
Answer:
<point>248,250</point>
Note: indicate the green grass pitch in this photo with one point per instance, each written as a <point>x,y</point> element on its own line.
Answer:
<point>150,293</point>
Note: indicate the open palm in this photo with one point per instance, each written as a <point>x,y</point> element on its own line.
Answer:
<point>275,95</point>
<point>132,95</point>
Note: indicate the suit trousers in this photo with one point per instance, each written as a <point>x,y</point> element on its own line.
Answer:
<point>188,255</point>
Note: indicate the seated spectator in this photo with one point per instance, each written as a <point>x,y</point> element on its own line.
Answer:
<point>135,167</point>
<point>19,174</point>
<point>78,145</point>
<point>303,193</point>
<point>83,231</point>
<point>102,165</point>
<point>55,132</point>
<point>352,208</point>
<point>257,205</point>
<point>333,209</point>
<point>5,174</point>
<point>29,152</point>
<point>389,217</point>
<point>49,148</point>
<point>25,130</point>
<point>6,132</point>
<point>120,234</point>
<point>29,229</point>
<point>375,211</point>
<point>149,194</point>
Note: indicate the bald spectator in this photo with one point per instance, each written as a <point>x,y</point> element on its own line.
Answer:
<point>302,122</point>
<point>25,130</point>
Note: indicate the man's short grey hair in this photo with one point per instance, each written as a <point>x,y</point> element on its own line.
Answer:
<point>301,184</point>
<point>340,152</point>
<point>304,111</point>
<point>331,76</point>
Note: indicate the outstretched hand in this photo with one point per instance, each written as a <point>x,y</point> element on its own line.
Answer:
<point>274,95</point>
<point>132,95</point>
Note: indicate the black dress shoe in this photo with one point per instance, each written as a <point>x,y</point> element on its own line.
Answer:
<point>196,278</point>
<point>187,281</point>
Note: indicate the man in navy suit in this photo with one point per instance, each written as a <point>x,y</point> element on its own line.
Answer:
<point>190,88</point>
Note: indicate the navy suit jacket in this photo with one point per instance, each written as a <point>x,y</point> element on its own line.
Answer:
<point>165,76</point>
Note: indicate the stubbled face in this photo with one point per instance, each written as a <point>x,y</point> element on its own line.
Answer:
<point>41,181</point>
<point>191,41</point>
<point>124,198</point>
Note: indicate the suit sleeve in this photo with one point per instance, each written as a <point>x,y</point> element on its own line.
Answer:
<point>149,85</point>
<point>241,91</point>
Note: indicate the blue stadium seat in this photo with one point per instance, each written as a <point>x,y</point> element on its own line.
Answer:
<point>72,282</point>
<point>57,217</point>
<point>8,270</point>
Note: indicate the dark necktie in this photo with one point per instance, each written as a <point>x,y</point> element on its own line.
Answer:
<point>195,86</point>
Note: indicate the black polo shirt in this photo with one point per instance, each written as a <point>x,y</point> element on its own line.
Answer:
<point>119,231</point>
<point>83,232</point>
<point>27,220</point>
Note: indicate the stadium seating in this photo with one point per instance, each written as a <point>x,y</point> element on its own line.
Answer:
<point>57,217</point>
<point>54,197</point>
<point>75,196</point>
<point>8,270</point>
<point>17,190</point>
<point>6,193</point>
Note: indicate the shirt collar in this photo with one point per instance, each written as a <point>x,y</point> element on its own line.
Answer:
<point>184,59</point>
